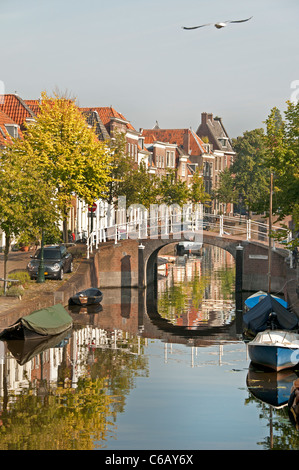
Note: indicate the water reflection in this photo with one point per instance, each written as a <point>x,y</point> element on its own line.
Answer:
<point>198,291</point>
<point>71,393</point>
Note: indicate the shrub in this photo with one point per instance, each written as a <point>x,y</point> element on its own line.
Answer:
<point>21,276</point>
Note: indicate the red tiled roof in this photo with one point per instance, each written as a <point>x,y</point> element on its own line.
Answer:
<point>16,109</point>
<point>33,105</point>
<point>184,138</point>
<point>106,113</point>
<point>5,138</point>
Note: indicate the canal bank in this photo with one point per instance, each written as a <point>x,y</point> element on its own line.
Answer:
<point>124,265</point>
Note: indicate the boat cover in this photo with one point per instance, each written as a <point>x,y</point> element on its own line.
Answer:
<point>47,321</point>
<point>257,317</point>
<point>258,296</point>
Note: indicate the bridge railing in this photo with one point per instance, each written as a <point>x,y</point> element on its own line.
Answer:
<point>184,228</point>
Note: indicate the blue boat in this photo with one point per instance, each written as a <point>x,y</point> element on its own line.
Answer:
<point>254,299</point>
<point>269,313</point>
<point>275,349</point>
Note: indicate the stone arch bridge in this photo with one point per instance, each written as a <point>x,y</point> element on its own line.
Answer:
<point>125,261</point>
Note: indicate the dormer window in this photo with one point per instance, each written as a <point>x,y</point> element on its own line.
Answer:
<point>223,141</point>
<point>13,130</point>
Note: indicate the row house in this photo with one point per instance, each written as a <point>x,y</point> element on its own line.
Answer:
<point>106,121</point>
<point>181,149</point>
<point>212,131</point>
<point>110,122</point>
<point>8,129</point>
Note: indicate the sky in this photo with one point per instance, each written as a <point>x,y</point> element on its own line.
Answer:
<point>135,56</point>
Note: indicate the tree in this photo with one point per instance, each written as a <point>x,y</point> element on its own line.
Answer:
<point>197,193</point>
<point>172,190</point>
<point>121,166</point>
<point>139,186</point>
<point>251,179</point>
<point>71,157</point>
<point>226,192</point>
<point>282,142</point>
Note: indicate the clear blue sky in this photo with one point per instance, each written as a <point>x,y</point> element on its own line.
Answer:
<point>135,56</point>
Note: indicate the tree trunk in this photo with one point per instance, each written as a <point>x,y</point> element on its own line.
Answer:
<point>64,230</point>
<point>6,251</point>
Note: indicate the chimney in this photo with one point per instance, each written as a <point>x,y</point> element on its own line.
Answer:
<point>204,118</point>
<point>186,141</point>
<point>210,116</point>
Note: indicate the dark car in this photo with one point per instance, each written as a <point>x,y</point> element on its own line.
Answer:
<point>57,261</point>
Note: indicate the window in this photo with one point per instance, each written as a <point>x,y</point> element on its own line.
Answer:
<point>12,129</point>
<point>183,169</point>
<point>172,161</point>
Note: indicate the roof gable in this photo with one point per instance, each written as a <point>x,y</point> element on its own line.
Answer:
<point>213,128</point>
<point>16,109</point>
<point>5,137</point>
<point>184,138</point>
<point>106,114</point>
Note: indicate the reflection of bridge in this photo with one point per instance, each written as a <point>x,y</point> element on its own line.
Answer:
<point>135,312</point>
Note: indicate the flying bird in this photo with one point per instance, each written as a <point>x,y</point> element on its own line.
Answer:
<point>217,25</point>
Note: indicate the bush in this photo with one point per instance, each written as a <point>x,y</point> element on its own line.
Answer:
<point>21,276</point>
<point>15,291</point>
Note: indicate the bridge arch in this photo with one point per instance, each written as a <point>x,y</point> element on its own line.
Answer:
<point>152,248</point>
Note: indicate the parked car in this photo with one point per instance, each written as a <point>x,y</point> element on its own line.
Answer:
<point>57,261</point>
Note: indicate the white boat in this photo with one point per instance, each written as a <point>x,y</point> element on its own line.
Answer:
<point>275,349</point>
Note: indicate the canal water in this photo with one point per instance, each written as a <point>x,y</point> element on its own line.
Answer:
<point>167,370</point>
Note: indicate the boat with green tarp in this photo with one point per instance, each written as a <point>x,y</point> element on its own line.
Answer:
<point>46,322</point>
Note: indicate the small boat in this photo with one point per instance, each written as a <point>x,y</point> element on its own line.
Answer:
<point>90,296</point>
<point>255,298</point>
<point>275,349</point>
<point>42,323</point>
<point>269,313</point>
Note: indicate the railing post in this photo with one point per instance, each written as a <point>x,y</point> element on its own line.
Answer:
<point>248,229</point>
<point>221,226</point>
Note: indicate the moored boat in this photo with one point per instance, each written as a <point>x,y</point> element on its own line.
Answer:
<point>42,323</point>
<point>255,298</point>
<point>275,349</point>
<point>90,296</point>
<point>269,313</point>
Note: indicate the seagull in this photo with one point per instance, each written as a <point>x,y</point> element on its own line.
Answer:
<point>217,25</point>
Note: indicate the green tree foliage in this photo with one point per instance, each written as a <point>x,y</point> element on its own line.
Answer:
<point>27,201</point>
<point>121,166</point>
<point>139,186</point>
<point>197,193</point>
<point>282,142</point>
<point>251,180</point>
<point>173,190</point>
<point>226,192</point>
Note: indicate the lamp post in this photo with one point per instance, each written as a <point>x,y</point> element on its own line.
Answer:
<point>41,268</point>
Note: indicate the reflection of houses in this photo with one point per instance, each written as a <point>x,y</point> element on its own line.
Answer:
<point>214,309</point>
<point>64,364</point>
